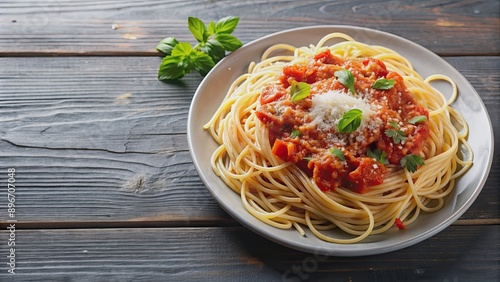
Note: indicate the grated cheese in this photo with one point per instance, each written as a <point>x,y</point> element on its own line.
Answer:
<point>329,107</point>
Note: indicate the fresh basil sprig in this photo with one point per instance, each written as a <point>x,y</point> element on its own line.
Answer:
<point>213,42</point>
<point>350,121</point>
<point>299,90</point>
<point>411,162</point>
<point>383,84</point>
<point>347,79</point>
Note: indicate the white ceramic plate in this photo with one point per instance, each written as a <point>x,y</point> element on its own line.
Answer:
<point>215,85</point>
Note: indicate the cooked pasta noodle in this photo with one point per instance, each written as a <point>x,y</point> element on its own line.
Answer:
<point>283,195</point>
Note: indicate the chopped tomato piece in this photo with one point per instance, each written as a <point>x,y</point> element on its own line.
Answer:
<point>271,93</point>
<point>399,224</point>
<point>280,149</point>
<point>290,147</point>
<point>326,178</point>
<point>293,72</point>
<point>400,85</point>
<point>378,67</point>
<point>368,173</point>
<point>297,73</point>
<point>326,57</point>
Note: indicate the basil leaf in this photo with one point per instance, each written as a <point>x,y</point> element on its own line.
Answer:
<point>211,28</point>
<point>171,68</point>
<point>228,42</point>
<point>347,79</point>
<point>417,119</point>
<point>295,133</point>
<point>166,45</point>
<point>214,50</point>
<point>383,84</point>
<point>411,162</point>
<point>178,63</point>
<point>202,62</point>
<point>181,49</point>
<point>226,25</point>
<point>338,153</point>
<point>198,29</point>
<point>378,155</point>
<point>350,121</point>
<point>299,91</point>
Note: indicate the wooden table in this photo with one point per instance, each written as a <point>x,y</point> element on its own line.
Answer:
<point>105,187</point>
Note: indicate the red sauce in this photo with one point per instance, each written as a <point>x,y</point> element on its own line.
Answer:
<point>311,150</point>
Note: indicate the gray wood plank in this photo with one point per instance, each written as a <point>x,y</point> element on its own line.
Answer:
<point>64,27</point>
<point>237,254</point>
<point>98,141</point>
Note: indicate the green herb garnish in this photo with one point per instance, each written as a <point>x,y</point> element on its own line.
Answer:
<point>347,79</point>
<point>411,162</point>
<point>397,135</point>
<point>383,84</point>
<point>417,119</point>
<point>338,153</point>
<point>213,42</point>
<point>295,133</point>
<point>166,45</point>
<point>299,90</point>
<point>350,121</point>
<point>378,155</point>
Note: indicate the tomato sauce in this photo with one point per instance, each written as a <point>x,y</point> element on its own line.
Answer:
<point>297,136</point>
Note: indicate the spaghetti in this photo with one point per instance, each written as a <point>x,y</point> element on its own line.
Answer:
<point>361,194</point>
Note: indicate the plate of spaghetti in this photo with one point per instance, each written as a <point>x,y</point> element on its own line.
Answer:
<point>340,140</point>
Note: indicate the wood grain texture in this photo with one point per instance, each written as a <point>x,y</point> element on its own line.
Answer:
<point>64,27</point>
<point>98,141</point>
<point>237,254</point>
<point>101,155</point>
